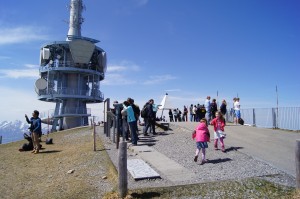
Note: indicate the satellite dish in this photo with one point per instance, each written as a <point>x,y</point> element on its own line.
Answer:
<point>41,84</point>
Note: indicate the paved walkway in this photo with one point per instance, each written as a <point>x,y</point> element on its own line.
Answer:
<point>275,147</point>
<point>171,169</point>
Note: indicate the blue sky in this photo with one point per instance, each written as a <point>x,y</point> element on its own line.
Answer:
<point>189,49</point>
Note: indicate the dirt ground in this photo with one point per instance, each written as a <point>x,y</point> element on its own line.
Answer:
<point>45,175</point>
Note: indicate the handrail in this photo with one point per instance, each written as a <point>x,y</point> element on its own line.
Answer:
<point>69,91</point>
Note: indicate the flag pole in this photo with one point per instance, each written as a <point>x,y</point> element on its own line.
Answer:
<point>277,107</point>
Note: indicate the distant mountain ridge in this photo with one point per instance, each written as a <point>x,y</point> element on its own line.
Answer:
<point>14,130</point>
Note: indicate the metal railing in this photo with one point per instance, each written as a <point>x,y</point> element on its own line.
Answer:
<point>58,65</point>
<point>96,93</point>
<point>283,118</point>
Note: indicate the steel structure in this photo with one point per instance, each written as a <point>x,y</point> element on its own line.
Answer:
<point>70,73</point>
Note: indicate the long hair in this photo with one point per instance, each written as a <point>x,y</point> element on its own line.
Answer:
<point>221,115</point>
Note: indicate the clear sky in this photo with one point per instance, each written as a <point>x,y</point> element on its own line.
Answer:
<point>189,49</point>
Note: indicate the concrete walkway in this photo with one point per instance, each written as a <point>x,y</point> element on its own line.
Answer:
<point>275,147</point>
<point>171,169</point>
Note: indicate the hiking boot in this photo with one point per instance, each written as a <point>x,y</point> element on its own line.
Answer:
<point>195,158</point>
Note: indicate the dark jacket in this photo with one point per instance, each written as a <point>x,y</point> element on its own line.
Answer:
<point>35,124</point>
<point>223,108</point>
<point>150,112</point>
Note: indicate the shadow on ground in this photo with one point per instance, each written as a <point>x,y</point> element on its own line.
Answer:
<point>220,160</point>
<point>146,195</point>
<point>233,148</point>
<point>51,151</point>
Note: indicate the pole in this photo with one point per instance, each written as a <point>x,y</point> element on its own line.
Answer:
<point>297,164</point>
<point>94,135</point>
<point>277,108</point>
<point>123,182</point>
<point>0,139</point>
<point>48,123</point>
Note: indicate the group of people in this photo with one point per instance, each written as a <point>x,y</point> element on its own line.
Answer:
<point>216,119</point>
<point>206,110</point>
<point>128,114</point>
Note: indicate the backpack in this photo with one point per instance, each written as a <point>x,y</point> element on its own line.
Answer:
<point>241,121</point>
<point>136,110</point>
<point>144,112</point>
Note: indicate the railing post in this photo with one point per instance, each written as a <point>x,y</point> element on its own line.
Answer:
<point>106,118</point>
<point>274,118</point>
<point>254,119</point>
<point>94,135</point>
<point>297,160</point>
<point>123,183</point>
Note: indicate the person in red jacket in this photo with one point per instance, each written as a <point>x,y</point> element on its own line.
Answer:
<point>202,136</point>
<point>219,124</point>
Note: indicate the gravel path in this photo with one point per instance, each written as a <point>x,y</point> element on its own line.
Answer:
<point>179,146</point>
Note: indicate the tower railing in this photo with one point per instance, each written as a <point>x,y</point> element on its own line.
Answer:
<point>58,64</point>
<point>94,93</point>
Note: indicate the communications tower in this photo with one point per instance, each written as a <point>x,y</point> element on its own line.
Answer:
<point>70,73</point>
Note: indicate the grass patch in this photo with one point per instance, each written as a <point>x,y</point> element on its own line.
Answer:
<point>27,175</point>
<point>247,188</point>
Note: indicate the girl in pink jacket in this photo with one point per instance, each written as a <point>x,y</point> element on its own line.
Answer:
<point>202,137</point>
<point>219,124</point>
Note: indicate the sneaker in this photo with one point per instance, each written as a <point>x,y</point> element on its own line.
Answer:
<point>146,134</point>
<point>216,148</point>
<point>33,151</point>
<point>203,162</point>
<point>195,158</point>
<point>223,150</point>
<point>36,152</point>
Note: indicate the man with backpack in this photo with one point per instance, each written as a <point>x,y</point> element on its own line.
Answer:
<point>149,117</point>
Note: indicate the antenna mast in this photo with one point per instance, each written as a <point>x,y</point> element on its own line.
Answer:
<point>76,8</point>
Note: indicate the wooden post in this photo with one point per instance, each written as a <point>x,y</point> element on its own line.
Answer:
<point>94,135</point>
<point>297,160</point>
<point>123,183</point>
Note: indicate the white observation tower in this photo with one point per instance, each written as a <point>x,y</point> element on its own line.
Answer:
<point>70,74</point>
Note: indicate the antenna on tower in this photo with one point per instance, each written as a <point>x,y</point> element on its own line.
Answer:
<point>76,7</point>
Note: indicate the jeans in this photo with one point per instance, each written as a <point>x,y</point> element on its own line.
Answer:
<point>150,123</point>
<point>133,129</point>
<point>208,117</point>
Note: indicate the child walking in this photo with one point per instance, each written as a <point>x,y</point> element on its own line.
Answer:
<point>202,137</point>
<point>219,124</point>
